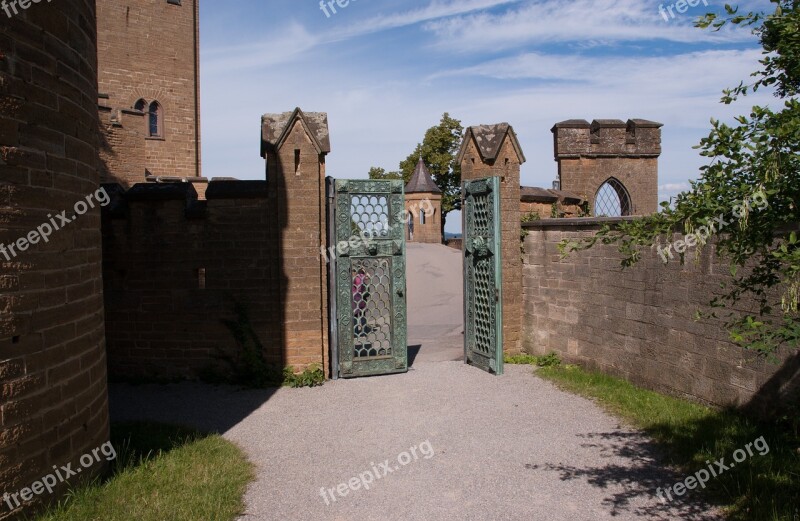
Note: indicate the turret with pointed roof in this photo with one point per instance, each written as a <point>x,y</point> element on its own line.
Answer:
<point>421,181</point>
<point>424,207</point>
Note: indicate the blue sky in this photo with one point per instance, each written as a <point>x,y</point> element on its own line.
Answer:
<point>385,71</point>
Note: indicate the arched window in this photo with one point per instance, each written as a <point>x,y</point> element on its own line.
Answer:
<point>612,200</point>
<point>140,105</point>
<point>422,219</point>
<point>155,125</point>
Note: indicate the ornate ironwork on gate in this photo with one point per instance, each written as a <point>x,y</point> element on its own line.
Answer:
<point>483,298</point>
<point>370,273</point>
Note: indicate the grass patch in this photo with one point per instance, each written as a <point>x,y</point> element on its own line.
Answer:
<point>761,488</point>
<point>162,473</point>
<point>550,360</point>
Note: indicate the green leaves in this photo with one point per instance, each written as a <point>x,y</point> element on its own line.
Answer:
<point>752,178</point>
<point>438,149</point>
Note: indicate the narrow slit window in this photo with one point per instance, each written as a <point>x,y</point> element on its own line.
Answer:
<point>156,120</point>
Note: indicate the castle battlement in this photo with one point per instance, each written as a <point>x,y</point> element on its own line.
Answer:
<point>577,138</point>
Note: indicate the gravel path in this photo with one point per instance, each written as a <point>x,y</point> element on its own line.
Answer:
<point>510,447</point>
<point>503,448</point>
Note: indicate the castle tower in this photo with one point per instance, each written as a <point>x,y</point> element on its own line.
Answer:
<point>149,90</point>
<point>52,342</point>
<point>610,163</point>
<point>424,207</point>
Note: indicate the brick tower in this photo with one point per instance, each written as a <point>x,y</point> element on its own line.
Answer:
<point>424,207</point>
<point>52,342</point>
<point>149,93</point>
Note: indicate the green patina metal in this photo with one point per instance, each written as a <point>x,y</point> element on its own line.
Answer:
<point>483,292</point>
<point>370,277</point>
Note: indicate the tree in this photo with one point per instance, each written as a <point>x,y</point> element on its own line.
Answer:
<point>753,160</point>
<point>381,173</point>
<point>438,150</point>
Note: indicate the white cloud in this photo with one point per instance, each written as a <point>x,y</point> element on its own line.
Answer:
<point>295,40</point>
<point>673,187</point>
<point>554,21</point>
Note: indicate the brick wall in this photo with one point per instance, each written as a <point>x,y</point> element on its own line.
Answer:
<point>174,269</point>
<point>589,154</point>
<point>148,49</point>
<point>53,397</point>
<point>296,174</point>
<point>638,323</point>
<point>431,230</point>
<point>122,147</point>
<point>175,266</point>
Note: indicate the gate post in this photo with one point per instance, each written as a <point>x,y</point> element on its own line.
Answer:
<point>494,151</point>
<point>294,145</point>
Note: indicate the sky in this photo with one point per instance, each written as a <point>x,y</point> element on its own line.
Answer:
<point>385,71</point>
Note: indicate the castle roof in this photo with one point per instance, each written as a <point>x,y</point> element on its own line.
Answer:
<point>489,139</point>
<point>421,181</point>
<point>276,127</point>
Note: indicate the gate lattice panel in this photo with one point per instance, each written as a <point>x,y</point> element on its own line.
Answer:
<point>483,308</point>
<point>370,277</point>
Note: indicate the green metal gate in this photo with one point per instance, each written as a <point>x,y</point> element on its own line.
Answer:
<point>483,292</point>
<point>370,278</point>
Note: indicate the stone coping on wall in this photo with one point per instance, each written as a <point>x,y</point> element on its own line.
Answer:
<point>597,222</point>
<point>577,222</point>
<point>181,191</point>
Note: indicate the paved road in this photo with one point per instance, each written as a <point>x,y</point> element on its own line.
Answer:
<point>435,302</point>
<point>487,448</point>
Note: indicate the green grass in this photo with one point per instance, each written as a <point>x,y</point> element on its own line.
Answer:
<point>540,361</point>
<point>761,488</point>
<point>163,473</point>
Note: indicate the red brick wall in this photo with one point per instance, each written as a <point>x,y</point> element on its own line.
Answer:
<point>53,397</point>
<point>639,323</point>
<point>148,49</point>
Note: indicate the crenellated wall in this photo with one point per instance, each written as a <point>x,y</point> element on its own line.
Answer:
<point>175,267</point>
<point>53,396</point>
<point>589,154</point>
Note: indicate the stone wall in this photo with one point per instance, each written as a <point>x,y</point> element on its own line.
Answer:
<point>148,49</point>
<point>639,323</point>
<point>53,396</point>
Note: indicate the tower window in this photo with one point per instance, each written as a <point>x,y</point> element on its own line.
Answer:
<point>612,200</point>
<point>155,120</point>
